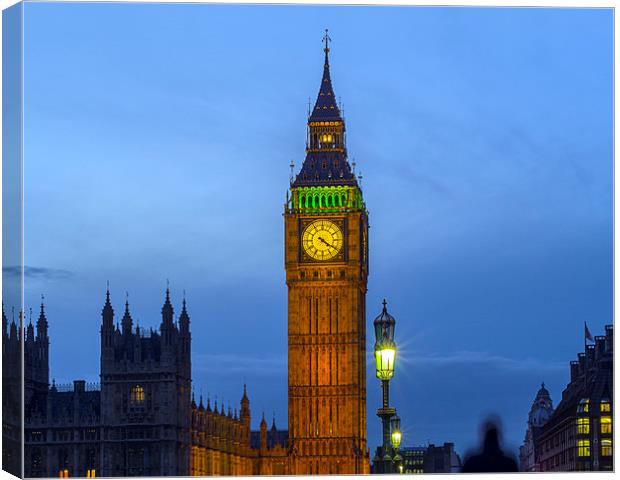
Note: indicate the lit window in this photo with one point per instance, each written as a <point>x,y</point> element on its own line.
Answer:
<point>583,448</point>
<point>137,394</point>
<point>583,425</point>
<point>605,406</point>
<point>606,450</point>
<point>584,405</point>
<point>64,473</point>
<point>605,424</point>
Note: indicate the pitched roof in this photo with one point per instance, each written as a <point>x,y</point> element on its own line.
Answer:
<point>325,168</point>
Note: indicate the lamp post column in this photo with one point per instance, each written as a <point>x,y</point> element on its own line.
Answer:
<point>385,356</point>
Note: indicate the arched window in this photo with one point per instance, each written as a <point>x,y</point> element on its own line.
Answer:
<point>137,394</point>
<point>606,424</point>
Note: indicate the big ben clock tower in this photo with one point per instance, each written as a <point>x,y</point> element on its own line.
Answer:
<point>326,261</point>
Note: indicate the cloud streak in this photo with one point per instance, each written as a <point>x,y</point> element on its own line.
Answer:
<point>468,357</point>
<point>230,363</point>
<point>38,273</point>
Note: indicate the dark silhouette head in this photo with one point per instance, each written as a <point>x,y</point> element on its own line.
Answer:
<point>490,457</point>
<point>491,437</point>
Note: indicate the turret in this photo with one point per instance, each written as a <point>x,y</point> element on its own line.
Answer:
<point>30,331</point>
<point>245,405</point>
<point>244,415</point>
<point>107,325</point>
<point>127,322</point>
<point>263,433</point>
<point>42,324</point>
<point>167,322</point>
<point>43,343</point>
<point>184,319</point>
<point>13,330</point>
<point>542,408</point>
<point>5,324</point>
<point>185,341</point>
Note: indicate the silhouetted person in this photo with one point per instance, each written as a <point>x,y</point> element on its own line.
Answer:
<point>491,459</point>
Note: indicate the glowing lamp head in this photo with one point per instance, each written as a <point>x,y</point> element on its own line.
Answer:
<point>385,355</point>
<point>385,348</point>
<point>396,433</point>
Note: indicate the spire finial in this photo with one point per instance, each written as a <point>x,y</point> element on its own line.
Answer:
<point>326,39</point>
<point>384,304</point>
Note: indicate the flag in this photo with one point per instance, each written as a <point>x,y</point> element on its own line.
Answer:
<point>587,332</point>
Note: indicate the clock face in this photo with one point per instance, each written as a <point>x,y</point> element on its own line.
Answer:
<point>322,240</point>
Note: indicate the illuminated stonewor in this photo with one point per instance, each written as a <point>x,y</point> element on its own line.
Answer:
<point>326,261</point>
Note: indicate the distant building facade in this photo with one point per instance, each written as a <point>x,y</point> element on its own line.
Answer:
<point>541,410</point>
<point>12,388</point>
<point>141,420</point>
<point>430,459</point>
<point>578,435</point>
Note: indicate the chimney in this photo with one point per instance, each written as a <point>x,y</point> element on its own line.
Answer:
<point>581,358</point>
<point>599,347</point>
<point>574,370</point>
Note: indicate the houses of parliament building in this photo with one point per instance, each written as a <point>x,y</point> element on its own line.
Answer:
<point>142,419</point>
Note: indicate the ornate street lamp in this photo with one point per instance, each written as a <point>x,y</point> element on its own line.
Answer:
<point>396,439</point>
<point>396,433</point>
<point>385,356</point>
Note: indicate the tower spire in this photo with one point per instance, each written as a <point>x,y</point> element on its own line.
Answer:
<point>42,321</point>
<point>327,39</point>
<point>127,322</point>
<point>326,161</point>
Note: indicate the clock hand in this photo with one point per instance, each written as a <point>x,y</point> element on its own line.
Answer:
<point>326,243</point>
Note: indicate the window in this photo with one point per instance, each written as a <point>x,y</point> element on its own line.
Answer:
<point>137,394</point>
<point>606,450</point>
<point>583,448</point>
<point>605,424</point>
<point>64,473</point>
<point>91,473</point>
<point>605,406</point>
<point>584,405</point>
<point>583,425</point>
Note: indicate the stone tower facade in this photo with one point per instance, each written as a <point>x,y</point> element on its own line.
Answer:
<point>326,261</point>
<point>145,395</point>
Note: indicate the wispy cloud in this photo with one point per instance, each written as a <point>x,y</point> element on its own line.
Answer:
<point>468,357</point>
<point>230,363</point>
<point>41,273</point>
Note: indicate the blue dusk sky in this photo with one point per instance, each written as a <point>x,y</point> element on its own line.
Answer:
<point>157,146</point>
